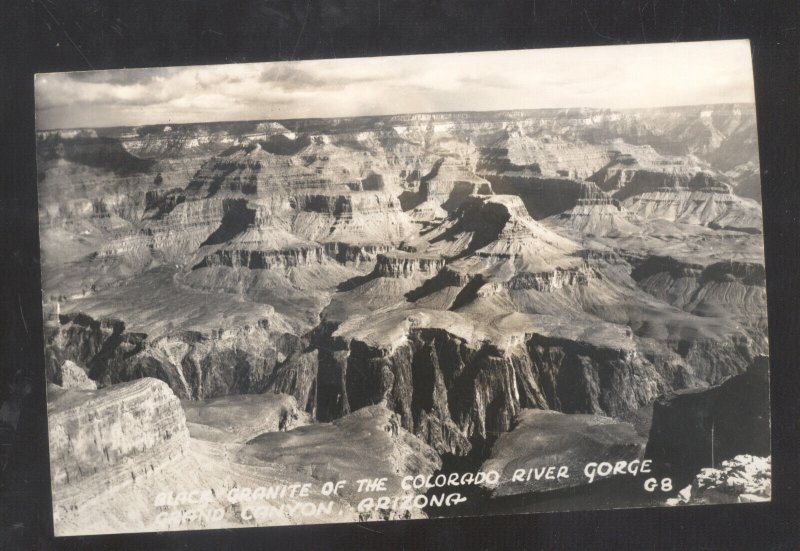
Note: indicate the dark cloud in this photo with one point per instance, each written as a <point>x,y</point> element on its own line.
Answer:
<point>289,77</point>
<point>125,77</point>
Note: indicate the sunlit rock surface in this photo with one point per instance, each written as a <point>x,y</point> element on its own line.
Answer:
<point>103,440</point>
<point>743,479</point>
<point>369,443</point>
<point>241,417</point>
<point>543,440</point>
<point>450,274</point>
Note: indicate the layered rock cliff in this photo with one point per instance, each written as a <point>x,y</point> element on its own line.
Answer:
<point>103,440</point>
<point>445,275</point>
<point>545,197</point>
<point>736,288</point>
<point>195,365</point>
<point>458,385</point>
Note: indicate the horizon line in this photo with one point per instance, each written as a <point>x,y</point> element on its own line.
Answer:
<point>398,114</point>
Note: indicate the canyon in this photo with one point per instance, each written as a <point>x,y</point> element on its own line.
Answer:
<point>395,294</point>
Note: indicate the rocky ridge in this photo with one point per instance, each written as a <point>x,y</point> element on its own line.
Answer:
<point>103,440</point>
<point>458,268</point>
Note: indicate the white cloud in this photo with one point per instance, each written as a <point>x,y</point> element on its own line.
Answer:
<point>609,76</point>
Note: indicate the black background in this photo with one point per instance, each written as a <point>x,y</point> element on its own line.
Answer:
<point>64,35</point>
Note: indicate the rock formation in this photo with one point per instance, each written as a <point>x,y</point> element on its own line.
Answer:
<point>453,274</point>
<point>240,417</point>
<point>114,451</point>
<point>72,376</point>
<point>103,440</point>
<point>369,443</point>
<point>692,429</point>
<point>544,439</point>
<point>743,479</point>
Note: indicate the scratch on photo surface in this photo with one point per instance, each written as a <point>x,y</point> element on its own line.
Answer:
<point>302,29</point>
<point>594,28</point>
<point>64,30</point>
<point>22,314</point>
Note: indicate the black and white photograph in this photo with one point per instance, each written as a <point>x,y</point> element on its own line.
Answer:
<point>403,287</point>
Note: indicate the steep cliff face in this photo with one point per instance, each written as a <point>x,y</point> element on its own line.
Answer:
<point>105,439</point>
<point>93,343</point>
<point>194,364</point>
<point>545,197</point>
<point>701,428</point>
<point>118,452</point>
<point>584,377</point>
<point>547,282</point>
<point>298,376</point>
<point>401,264</point>
<point>442,275</point>
<point>263,260</point>
<point>477,393</point>
<point>457,392</point>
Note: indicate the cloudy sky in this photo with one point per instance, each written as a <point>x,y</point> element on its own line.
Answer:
<point>608,76</point>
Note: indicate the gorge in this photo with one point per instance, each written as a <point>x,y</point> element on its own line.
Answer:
<point>293,296</point>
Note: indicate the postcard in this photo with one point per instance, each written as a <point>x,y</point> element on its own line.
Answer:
<point>349,290</point>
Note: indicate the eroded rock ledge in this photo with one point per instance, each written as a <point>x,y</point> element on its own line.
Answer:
<point>105,439</point>
<point>456,391</point>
